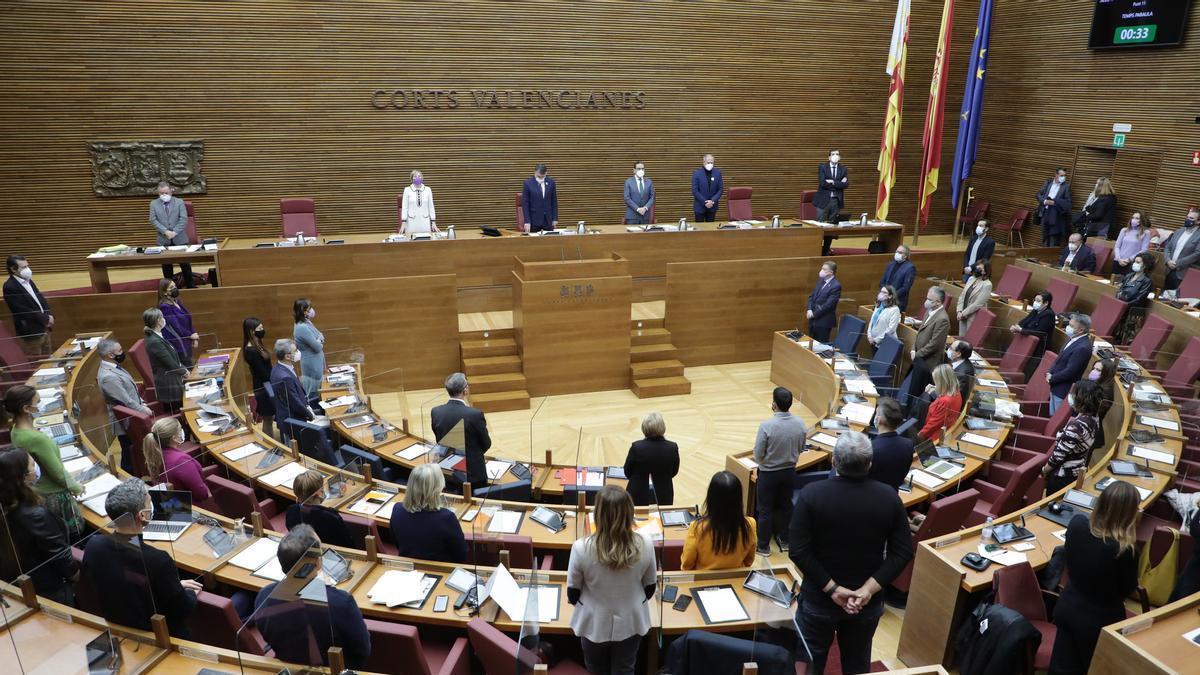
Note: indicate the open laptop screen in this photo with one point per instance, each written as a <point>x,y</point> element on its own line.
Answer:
<point>171,505</point>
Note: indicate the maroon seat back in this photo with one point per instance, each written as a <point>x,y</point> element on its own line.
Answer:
<point>1057,421</point>
<point>1190,287</point>
<point>1019,351</point>
<point>360,527</point>
<point>299,215</point>
<point>485,550</point>
<point>808,211</point>
<point>1013,281</point>
<point>1038,390</point>
<point>496,651</point>
<point>1013,493</point>
<point>1107,315</point>
<point>232,499</point>
<point>214,621</point>
<point>1016,587</point>
<point>738,204</point>
<point>1153,334</point>
<point>190,228</point>
<point>141,363</point>
<point>395,647</point>
<point>1103,256</point>
<point>981,326</point>
<point>17,365</point>
<point>1186,367</point>
<point>946,515</point>
<point>521,226</point>
<point>1064,294</point>
<point>670,553</point>
<point>137,427</point>
<point>976,211</point>
<point>1014,225</point>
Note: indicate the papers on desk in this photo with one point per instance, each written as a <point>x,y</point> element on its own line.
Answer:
<point>270,570</point>
<point>1002,556</point>
<point>944,470</point>
<point>513,599</point>
<point>823,438</point>
<point>193,248</point>
<point>210,247</point>
<point>413,452</point>
<point>1193,637</point>
<point>238,454</point>
<point>49,372</point>
<point>505,522</point>
<point>976,439</point>
<point>857,412</point>
<point>78,464</point>
<point>339,401</point>
<point>841,364</point>
<point>1152,455</point>
<point>1158,423</point>
<point>284,475</point>
<point>497,468</point>
<point>719,604</point>
<point>96,505</point>
<point>1007,408</point>
<point>200,388</point>
<point>341,368</point>
<point>861,386</point>
<point>67,452</point>
<point>988,382</point>
<point>398,587</point>
<point>589,477</point>
<point>87,343</point>
<point>1060,534</point>
<point>748,462</point>
<point>99,487</point>
<point>255,555</point>
<point>925,480</point>
<point>652,529</point>
<point>372,502</point>
<point>179,247</point>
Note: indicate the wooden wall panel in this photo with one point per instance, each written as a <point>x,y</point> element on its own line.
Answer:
<point>280,93</point>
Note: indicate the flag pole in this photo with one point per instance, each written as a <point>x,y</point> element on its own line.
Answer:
<point>917,223</point>
<point>962,197</point>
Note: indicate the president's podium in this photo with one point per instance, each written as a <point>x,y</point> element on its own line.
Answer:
<point>571,323</point>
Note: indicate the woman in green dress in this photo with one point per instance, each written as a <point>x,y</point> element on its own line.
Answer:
<point>56,486</point>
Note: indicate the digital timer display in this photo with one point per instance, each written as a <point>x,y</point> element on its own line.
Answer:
<point>1138,23</point>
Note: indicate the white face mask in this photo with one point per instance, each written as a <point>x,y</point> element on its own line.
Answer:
<point>179,437</point>
<point>311,313</point>
<point>1069,330</point>
<point>640,173</point>
<point>708,166</point>
<point>1062,179</point>
<point>824,274</point>
<point>165,198</point>
<point>899,257</point>
<point>835,158</point>
<point>1073,246</point>
<point>26,274</point>
<point>929,305</point>
<point>1135,222</point>
<point>980,230</point>
<point>1071,400</point>
<point>1037,306</point>
<point>1136,267</point>
<point>950,354</point>
<point>295,357</point>
<point>882,297</point>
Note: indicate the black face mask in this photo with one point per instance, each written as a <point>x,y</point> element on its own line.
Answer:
<point>174,293</point>
<point>1189,222</point>
<point>119,358</point>
<point>260,333</point>
<point>977,272</point>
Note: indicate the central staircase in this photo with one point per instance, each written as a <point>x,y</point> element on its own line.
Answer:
<point>494,369</point>
<point>653,368</point>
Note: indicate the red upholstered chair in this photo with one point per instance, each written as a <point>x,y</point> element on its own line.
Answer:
<point>671,555</point>
<point>214,621</point>
<point>1153,333</point>
<point>1180,379</point>
<point>1064,294</point>
<point>1016,587</point>
<point>1190,287</point>
<point>17,364</point>
<point>1013,282</point>
<point>1107,316</point>
<point>738,203</point>
<point>1037,433</point>
<point>650,216</point>
<point>997,501</point>
<point>808,211</point>
<point>1006,462</point>
<point>1014,225</point>
<point>397,647</point>
<point>190,228</point>
<point>946,515</point>
<point>234,500</point>
<point>485,550</point>
<point>1103,257</point>
<point>361,527</point>
<point>981,325</point>
<point>1035,395</point>
<point>141,363</point>
<point>499,653</point>
<point>1012,364</point>
<point>299,215</point>
<point>977,211</point>
<point>521,226</point>
<point>138,425</point>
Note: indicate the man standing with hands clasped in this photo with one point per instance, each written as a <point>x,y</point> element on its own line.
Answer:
<point>850,539</point>
<point>707,187</point>
<point>639,196</point>
<point>169,218</point>
<point>832,181</point>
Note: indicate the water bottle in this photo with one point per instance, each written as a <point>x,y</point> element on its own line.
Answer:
<point>862,220</point>
<point>299,238</point>
<point>683,224</point>
<point>450,232</point>
<point>775,222</point>
<point>580,229</point>
<point>987,529</point>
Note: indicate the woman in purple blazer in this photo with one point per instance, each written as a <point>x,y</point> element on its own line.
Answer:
<point>178,331</point>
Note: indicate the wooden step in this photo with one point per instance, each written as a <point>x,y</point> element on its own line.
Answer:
<point>644,370</point>
<point>492,365</point>
<point>492,334</point>
<point>660,352</point>
<point>490,384</point>
<point>501,401</point>
<point>661,386</point>
<point>650,336</point>
<point>472,349</point>
<point>647,323</point>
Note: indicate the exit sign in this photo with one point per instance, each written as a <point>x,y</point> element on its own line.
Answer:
<point>1118,140</point>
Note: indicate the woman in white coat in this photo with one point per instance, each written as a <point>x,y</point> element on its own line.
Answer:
<point>416,208</point>
<point>885,318</point>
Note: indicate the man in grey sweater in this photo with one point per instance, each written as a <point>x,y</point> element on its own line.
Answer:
<point>776,449</point>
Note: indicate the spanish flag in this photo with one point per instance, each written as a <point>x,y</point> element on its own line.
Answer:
<point>931,141</point>
<point>888,146</point>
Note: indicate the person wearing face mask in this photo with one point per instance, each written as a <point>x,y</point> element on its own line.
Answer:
<point>929,348</point>
<point>1074,443</point>
<point>168,370</point>
<point>1131,241</point>
<point>290,399</point>
<point>832,180</point>
<point>118,388</point>
<point>1072,360</point>
<point>179,330</point>
<point>1104,374</point>
<point>132,579</point>
<point>884,318</point>
<point>639,197</point>
<point>958,355</point>
<point>32,317</point>
<point>169,218</point>
<point>1182,249</point>
<point>310,490</point>
<point>1039,322</point>
<point>1134,288</point>
<point>980,247</point>
<point>311,343</point>
<point>823,302</point>
<point>55,486</point>
<point>707,187</point>
<point>166,463</point>
<point>1054,208</point>
<point>975,294</point>
<point>1077,256</point>
<point>258,360</point>
<point>417,215</point>
<point>539,201</point>
<point>1096,216</point>
<point>39,544</point>
<point>899,274</point>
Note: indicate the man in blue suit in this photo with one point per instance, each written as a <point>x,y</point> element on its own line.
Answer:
<point>539,201</point>
<point>639,196</point>
<point>900,274</point>
<point>980,247</point>
<point>290,399</point>
<point>1077,256</point>
<point>707,187</point>
<point>832,181</point>
<point>1072,360</point>
<point>1054,208</point>
<point>822,304</point>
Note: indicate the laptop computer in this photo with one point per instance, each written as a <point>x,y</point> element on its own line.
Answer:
<point>172,515</point>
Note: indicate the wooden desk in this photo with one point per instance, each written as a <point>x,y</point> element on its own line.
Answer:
<point>891,235</point>
<point>1151,642</point>
<point>98,266</point>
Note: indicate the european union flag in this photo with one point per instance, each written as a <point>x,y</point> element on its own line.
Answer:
<point>971,118</point>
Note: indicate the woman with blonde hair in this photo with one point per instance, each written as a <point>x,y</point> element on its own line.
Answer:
<point>165,463</point>
<point>653,458</point>
<point>417,215</point>
<point>945,408</point>
<point>1096,216</point>
<point>609,579</point>
<point>422,527</point>
<point>1101,572</point>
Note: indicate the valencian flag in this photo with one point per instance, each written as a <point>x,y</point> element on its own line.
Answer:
<point>972,107</point>
<point>931,141</point>
<point>897,57</point>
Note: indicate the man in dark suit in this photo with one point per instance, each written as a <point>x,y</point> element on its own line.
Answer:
<point>707,187</point>
<point>892,454</point>
<point>443,419</point>
<point>639,196</point>
<point>168,215</point>
<point>1039,322</point>
<point>1072,360</point>
<point>290,399</point>
<point>900,274</point>
<point>539,201</point>
<point>832,181</point>
<point>823,302</point>
<point>1180,252</point>
<point>31,313</point>
<point>980,247</point>
<point>1077,256</point>
<point>1054,208</point>
<point>929,348</point>
<point>958,354</point>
